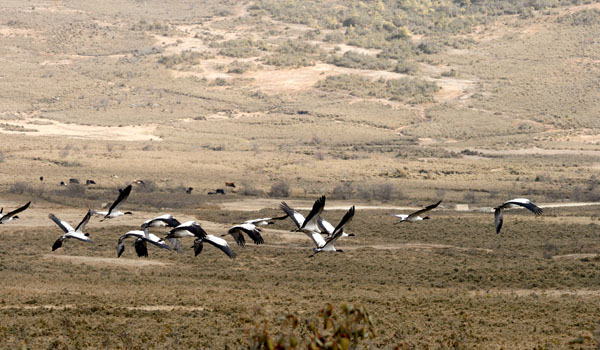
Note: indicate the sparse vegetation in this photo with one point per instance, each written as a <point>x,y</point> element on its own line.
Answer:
<point>406,89</point>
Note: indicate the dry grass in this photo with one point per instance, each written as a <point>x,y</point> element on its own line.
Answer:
<point>457,281</point>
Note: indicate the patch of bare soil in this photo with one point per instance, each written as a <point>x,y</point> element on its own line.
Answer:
<point>98,261</point>
<point>47,127</point>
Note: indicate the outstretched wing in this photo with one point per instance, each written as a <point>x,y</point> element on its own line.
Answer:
<point>123,194</point>
<point>157,241</point>
<point>255,236</point>
<point>237,233</point>
<point>296,217</point>
<point>526,204</point>
<point>424,210</point>
<point>325,226</point>
<point>84,222</point>
<point>339,229</point>
<point>62,224</point>
<point>310,224</point>
<point>16,211</point>
<point>221,244</point>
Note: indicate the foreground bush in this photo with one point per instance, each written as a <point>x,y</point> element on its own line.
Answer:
<point>331,330</point>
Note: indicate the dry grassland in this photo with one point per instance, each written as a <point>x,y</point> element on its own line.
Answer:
<point>443,282</point>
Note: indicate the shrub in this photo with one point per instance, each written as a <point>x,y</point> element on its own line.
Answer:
<point>352,59</point>
<point>404,89</point>
<point>21,187</point>
<point>187,57</point>
<point>72,190</point>
<point>241,48</point>
<point>331,330</point>
<point>1,157</point>
<point>247,189</point>
<point>238,67</point>
<point>382,192</point>
<point>581,18</point>
<point>343,191</point>
<point>429,47</point>
<point>406,67</point>
<point>280,189</point>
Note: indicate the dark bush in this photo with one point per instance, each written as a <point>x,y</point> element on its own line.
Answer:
<point>280,189</point>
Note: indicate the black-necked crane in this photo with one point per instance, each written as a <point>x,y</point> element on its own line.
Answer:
<point>308,225</point>
<point>265,221</point>
<point>69,232</point>
<point>187,229</point>
<point>214,241</point>
<point>141,237</point>
<point>416,216</point>
<point>114,211</point>
<point>10,216</point>
<point>237,232</point>
<point>335,235</point>
<point>165,220</point>
<point>522,202</point>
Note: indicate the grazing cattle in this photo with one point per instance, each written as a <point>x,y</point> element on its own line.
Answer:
<point>211,193</point>
<point>73,181</point>
<point>230,184</point>
<point>90,182</point>
<point>62,183</point>
<point>189,190</point>
<point>220,191</point>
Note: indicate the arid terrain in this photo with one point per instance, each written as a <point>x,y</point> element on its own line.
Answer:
<point>385,105</point>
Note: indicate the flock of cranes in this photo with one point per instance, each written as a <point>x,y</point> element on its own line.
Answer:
<point>323,234</point>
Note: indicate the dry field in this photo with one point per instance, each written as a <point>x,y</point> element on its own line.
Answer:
<point>445,283</point>
<point>382,104</point>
